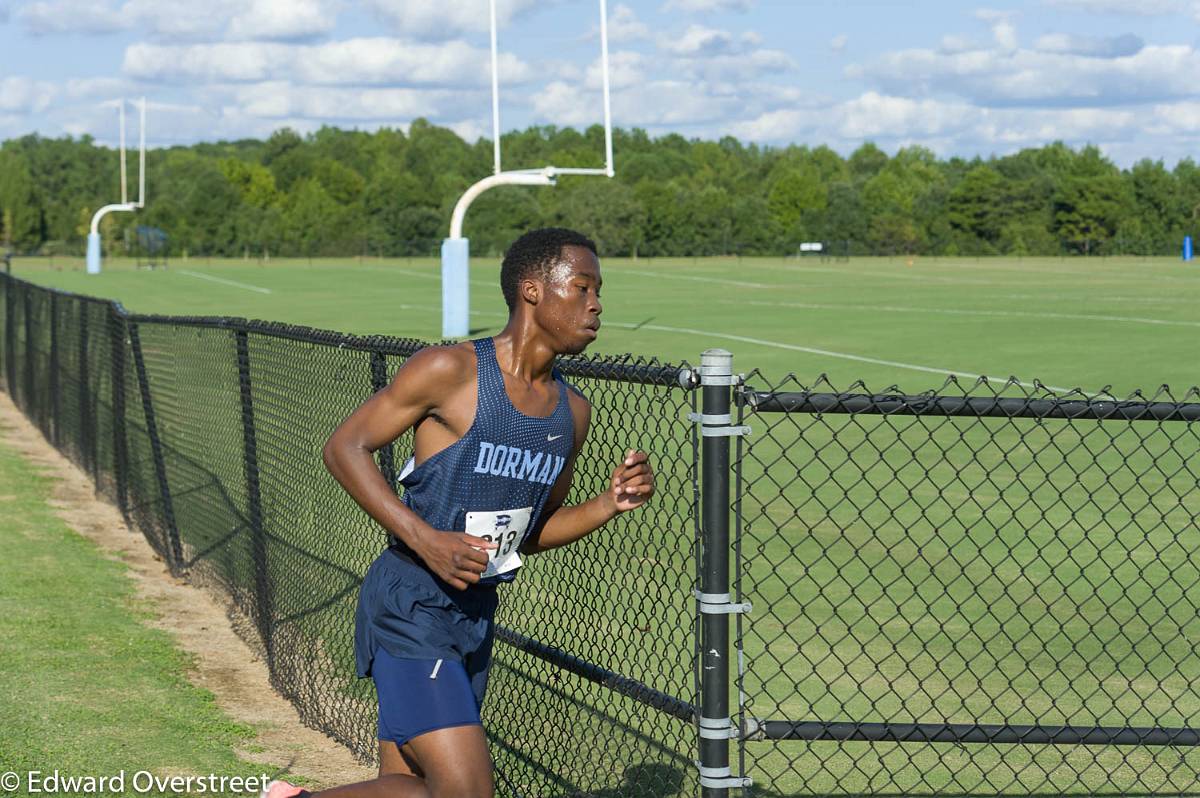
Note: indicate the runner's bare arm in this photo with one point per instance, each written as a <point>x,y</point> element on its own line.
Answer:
<point>631,484</point>
<point>420,387</point>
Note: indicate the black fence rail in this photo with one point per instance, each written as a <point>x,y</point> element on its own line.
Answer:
<point>983,590</point>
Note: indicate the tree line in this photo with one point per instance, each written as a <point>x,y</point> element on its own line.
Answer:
<point>390,193</point>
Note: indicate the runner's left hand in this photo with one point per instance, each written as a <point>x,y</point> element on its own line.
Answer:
<point>632,482</point>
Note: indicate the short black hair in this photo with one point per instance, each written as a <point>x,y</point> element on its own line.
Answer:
<point>535,253</point>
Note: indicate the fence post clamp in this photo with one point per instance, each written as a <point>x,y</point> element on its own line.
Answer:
<point>719,604</point>
<point>719,729</point>
<point>717,425</point>
<point>722,778</point>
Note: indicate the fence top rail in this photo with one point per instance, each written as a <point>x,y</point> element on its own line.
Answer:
<point>63,294</point>
<point>969,406</point>
<point>615,368</point>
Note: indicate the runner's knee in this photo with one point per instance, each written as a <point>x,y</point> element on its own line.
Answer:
<point>461,785</point>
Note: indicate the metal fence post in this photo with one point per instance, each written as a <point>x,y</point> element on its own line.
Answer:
<point>30,353</point>
<point>9,332</point>
<point>258,542</point>
<point>715,727</point>
<point>116,326</point>
<point>85,436</point>
<point>5,289</point>
<point>175,556</point>
<point>55,399</point>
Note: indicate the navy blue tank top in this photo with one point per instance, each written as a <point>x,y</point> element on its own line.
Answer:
<point>499,474</point>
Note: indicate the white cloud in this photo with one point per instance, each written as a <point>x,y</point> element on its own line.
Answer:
<point>1141,8</point>
<point>954,43</point>
<point>624,26</point>
<point>281,100</point>
<point>445,19</point>
<point>70,16</point>
<point>366,61</point>
<point>673,102</point>
<point>626,68</point>
<point>663,104</point>
<point>1180,117</point>
<point>283,19</point>
<point>208,62</point>
<point>707,6</point>
<point>942,125</point>
<point>473,130</point>
<point>722,68</point>
<point>650,104</point>
<point>179,19</point>
<point>25,95</point>
<point>1095,46</point>
<point>186,20</point>
<point>873,115</point>
<point>698,41</point>
<point>838,43</point>
<point>1003,29</point>
<point>1033,77</point>
<point>92,88</point>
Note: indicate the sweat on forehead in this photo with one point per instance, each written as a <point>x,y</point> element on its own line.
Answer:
<point>560,272</point>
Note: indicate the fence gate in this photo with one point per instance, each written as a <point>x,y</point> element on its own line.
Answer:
<point>988,590</point>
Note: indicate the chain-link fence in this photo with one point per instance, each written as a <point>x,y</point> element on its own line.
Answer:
<point>207,433</point>
<point>984,590</point>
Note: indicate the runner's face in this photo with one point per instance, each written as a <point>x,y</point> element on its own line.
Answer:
<point>571,308</point>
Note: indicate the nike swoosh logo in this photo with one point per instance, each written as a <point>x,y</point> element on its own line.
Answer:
<point>553,437</point>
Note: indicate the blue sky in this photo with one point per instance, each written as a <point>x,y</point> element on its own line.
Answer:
<point>959,78</point>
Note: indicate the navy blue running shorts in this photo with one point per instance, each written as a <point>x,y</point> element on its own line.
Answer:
<point>417,696</point>
<point>407,612</point>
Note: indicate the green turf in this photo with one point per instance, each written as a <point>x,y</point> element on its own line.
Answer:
<point>1124,322</point>
<point>89,689</point>
<point>917,569</point>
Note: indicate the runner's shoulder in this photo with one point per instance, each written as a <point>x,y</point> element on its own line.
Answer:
<point>441,367</point>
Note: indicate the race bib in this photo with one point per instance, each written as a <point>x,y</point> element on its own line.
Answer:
<point>505,527</point>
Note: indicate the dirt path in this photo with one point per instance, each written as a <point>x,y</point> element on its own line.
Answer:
<point>224,665</point>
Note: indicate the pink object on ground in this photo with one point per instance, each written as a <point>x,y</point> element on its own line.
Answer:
<point>281,789</point>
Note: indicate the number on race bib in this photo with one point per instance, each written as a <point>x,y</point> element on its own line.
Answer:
<point>507,529</point>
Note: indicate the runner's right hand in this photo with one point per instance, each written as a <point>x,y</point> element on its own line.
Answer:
<point>456,558</point>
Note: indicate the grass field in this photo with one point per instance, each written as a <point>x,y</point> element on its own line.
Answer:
<point>1082,322</point>
<point>88,688</point>
<point>901,569</point>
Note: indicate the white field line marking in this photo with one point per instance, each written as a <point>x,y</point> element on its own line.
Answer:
<point>934,279</point>
<point>794,348</point>
<point>693,278</point>
<point>822,352</point>
<point>223,281</point>
<point>422,275</point>
<point>955,312</point>
<point>1150,300</point>
<point>852,272</point>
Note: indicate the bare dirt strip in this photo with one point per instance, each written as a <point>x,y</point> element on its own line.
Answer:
<point>222,663</point>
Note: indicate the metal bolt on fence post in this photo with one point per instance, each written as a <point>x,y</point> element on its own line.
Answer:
<point>713,605</point>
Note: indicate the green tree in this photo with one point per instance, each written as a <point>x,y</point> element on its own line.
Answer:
<point>976,206</point>
<point>1088,210</point>
<point>797,199</point>
<point>24,226</point>
<point>606,211</point>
